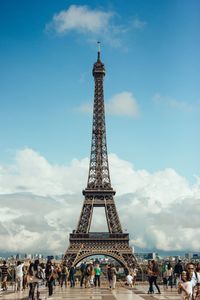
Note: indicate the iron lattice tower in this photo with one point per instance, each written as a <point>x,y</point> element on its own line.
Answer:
<point>99,193</point>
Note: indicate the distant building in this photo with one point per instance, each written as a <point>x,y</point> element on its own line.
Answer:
<point>28,256</point>
<point>150,255</point>
<point>192,255</point>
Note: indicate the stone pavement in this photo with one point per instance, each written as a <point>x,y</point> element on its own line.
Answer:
<point>139,292</point>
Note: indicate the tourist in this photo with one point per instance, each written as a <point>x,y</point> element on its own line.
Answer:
<point>25,277</point>
<point>155,274</point>
<point>129,280</point>
<point>4,273</point>
<point>87,276</point>
<point>58,270</point>
<point>49,274</point>
<point>185,286</point>
<point>150,277</point>
<point>19,276</point>
<point>164,275</point>
<point>169,275</point>
<point>194,277</point>
<point>97,271</point>
<point>92,275</point>
<point>178,269</point>
<point>197,294</point>
<point>134,274</point>
<point>72,272</point>
<point>109,274</point>
<point>113,275</point>
<point>34,275</point>
<point>64,275</point>
<point>82,268</point>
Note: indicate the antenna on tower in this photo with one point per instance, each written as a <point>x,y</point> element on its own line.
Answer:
<point>99,50</point>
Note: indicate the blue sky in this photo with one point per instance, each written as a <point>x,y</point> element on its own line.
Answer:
<point>45,75</point>
<point>151,53</point>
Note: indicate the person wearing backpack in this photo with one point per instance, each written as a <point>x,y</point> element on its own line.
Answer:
<point>64,275</point>
<point>155,274</point>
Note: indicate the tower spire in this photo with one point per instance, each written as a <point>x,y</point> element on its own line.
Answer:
<point>99,50</point>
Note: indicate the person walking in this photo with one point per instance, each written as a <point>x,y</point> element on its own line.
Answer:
<point>150,277</point>
<point>169,275</point>
<point>155,273</point>
<point>5,273</point>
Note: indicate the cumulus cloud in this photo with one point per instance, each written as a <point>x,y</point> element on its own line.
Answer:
<point>121,104</point>
<point>93,23</point>
<point>40,204</point>
<point>80,18</point>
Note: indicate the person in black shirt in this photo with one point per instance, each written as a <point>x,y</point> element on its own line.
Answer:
<point>5,273</point>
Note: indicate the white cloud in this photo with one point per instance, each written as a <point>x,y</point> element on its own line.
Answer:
<point>80,18</point>
<point>94,24</point>
<point>30,168</point>
<point>40,204</point>
<point>138,24</point>
<point>121,104</point>
<point>186,106</point>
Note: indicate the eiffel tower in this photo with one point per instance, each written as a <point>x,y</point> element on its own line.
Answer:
<point>99,193</point>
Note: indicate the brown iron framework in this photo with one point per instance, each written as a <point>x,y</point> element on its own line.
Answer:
<point>99,193</point>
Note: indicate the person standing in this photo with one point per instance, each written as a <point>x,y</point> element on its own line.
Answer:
<point>109,274</point>
<point>178,269</point>
<point>97,271</point>
<point>194,277</point>
<point>169,275</point>
<point>72,272</point>
<point>49,276</point>
<point>83,268</point>
<point>185,286</point>
<point>19,276</point>
<point>129,280</point>
<point>114,276</point>
<point>64,275</point>
<point>34,273</point>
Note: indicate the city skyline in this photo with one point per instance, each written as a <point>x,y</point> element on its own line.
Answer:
<point>150,50</point>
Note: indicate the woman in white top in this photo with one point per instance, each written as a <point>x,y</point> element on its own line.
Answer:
<point>19,276</point>
<point>185,287</point>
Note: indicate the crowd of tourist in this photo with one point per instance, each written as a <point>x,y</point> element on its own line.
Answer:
<point>186,279</point>
<point>35,274</point>
<point>31,276</point>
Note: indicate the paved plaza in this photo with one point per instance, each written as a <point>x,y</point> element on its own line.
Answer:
<point>139,292</point>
